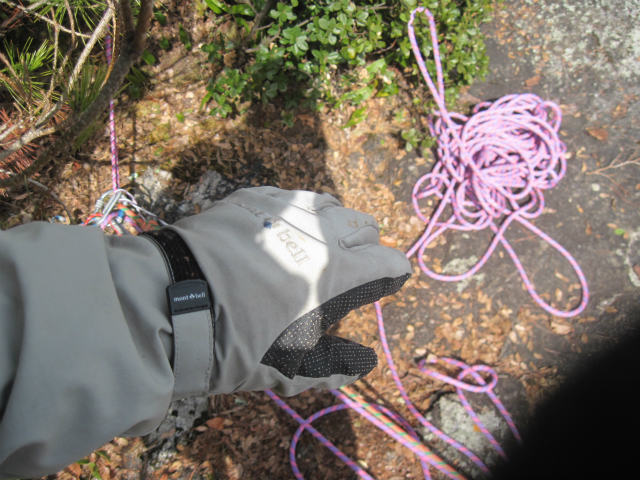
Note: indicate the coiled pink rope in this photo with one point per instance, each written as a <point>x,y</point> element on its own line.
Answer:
<point>492,169</point>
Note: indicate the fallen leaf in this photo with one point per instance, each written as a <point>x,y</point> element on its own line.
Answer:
<point>619,111</point>
<point>598,133</point>
<point>388,241</point>
<point>588,230</point>
<point>533,81</point>
<point>75,469</point>
<point>215,423</point>
<point>560,328</point>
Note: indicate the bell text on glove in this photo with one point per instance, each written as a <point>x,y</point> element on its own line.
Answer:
<point>296,251</point>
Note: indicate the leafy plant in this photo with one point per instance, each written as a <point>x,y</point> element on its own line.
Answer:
<point>340,52</point>
<point>164,43</point>
<point>185,38</point>
<point>91,463</point>
<point>136,82</point>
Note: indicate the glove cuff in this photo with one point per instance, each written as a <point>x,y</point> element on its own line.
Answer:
<point>190,308</point>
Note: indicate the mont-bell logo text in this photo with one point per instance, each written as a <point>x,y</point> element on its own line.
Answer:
<point>190,297</point>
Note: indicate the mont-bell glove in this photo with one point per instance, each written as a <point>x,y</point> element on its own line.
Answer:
<point>274,269</point>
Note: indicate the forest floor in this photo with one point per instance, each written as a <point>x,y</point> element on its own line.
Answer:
<point>168,144</point>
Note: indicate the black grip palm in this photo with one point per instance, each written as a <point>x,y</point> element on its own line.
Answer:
<point>304,349</point>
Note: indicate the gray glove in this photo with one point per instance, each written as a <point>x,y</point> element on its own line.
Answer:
<point>282,267</point>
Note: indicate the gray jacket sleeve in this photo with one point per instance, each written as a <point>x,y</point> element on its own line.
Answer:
<point>85,344</point>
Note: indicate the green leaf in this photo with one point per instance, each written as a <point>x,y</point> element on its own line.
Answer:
<point>160,18</point>
<point>288,118</point>
<point>619,231</point>
<point>148,57</point>
<point>388,89</point>
<point>216,6</point>
<point>301,43</point>
<point>185,38</point>
<point>411,137</point>
<point>103,454</point>
<point>333,57</point>
<point>241,9</point>
<point>282,13</point>
<point>95,473</point>
<point>357,116</point>
<point>358,96</point>
<point>377,66</point>
<point>348,52</point>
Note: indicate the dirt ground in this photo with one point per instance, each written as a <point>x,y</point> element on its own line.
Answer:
<point>536,46</point>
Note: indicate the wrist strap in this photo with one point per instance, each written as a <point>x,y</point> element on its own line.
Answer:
<point>182,264</point>
<point>190,308</point>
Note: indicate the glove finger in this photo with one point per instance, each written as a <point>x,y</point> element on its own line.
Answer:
<point>339,306</point>
<point>350,227</point>
<point>379,261</point>
<point>337,356</point>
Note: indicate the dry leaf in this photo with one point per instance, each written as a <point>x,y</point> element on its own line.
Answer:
<point>598,133</point>
<point>75,469</point>
<point>215,423</point>
<point>533,81</point>
<point>388,241</point>
<point>560,328</point>
<point>619,111</point>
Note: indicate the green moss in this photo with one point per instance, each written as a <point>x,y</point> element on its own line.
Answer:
<point>160,133</point>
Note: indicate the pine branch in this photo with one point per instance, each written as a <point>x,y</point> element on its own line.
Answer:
<point>30,11</point>
<point>134,41</point>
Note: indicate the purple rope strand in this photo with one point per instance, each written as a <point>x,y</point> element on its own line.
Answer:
<point>115,170</point>
<point>482,387</point>
<point>414,411</point>
<point>306,425</point>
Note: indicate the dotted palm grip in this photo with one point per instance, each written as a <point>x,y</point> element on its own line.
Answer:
<point>303,349</point>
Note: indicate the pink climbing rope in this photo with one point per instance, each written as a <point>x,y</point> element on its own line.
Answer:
<point>492,169</point>
<point>117,208</point>
<point>115,171</point>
